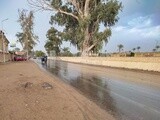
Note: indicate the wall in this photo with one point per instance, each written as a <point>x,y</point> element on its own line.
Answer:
<point>5,41</point>
<point>141,63</point>
<point>7,57</point>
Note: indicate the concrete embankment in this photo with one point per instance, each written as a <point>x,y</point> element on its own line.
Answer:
<point>140,63</point>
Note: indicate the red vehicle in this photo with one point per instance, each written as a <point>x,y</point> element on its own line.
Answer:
<point>20,58</point>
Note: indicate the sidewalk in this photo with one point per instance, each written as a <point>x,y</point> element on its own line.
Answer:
<point>24,97</point>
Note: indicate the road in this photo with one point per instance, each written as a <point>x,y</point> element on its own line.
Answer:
<point>127,95</point>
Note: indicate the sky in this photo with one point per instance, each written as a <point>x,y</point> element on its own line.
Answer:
<point>138,25</point>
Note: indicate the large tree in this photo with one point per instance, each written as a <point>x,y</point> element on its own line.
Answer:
<point>53,41</point>
<point>27,38</point>
<point>82,20</point>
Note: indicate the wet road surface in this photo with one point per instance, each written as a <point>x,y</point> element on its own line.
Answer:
<point>127,95</point>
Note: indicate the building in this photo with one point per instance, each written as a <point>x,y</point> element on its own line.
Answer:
<point>4,54</point>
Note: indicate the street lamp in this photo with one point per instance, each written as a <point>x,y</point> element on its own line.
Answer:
<point>3,39</point>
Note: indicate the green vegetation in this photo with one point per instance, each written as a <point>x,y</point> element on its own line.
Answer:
<point>157,47</point>
<point>81,20</point>
<point>39,53</point>
<point>138,48</point>
<point>66,52</point>
<point>154,50</point>
<point>26,37</point>
<point>134,49</point>
<point>53,41</point>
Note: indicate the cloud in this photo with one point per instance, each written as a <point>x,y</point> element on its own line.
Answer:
<point>119,28</point>
<point>148,32</point>
<point>153,32</point>
<point>141,26</point>
<point>133,36</point>
<point>140,22</point>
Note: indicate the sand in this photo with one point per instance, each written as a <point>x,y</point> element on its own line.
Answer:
<point>23,97</point>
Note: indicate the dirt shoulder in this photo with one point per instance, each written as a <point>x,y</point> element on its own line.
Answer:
<point>21,101</point>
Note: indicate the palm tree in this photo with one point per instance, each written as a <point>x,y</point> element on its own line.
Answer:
<point>134,49</point>
<point>157,47</point>
<point>120,46</point>
<point>138,48</point>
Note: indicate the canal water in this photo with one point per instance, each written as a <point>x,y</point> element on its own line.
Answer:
<point>111,89</point>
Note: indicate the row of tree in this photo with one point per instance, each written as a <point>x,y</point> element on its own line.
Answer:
<point>120,48</point>
<point>156,49</point>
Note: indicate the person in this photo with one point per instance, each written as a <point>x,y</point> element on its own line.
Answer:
<point>44,59</point>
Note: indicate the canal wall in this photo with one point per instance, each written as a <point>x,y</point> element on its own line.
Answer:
<point>140,63</point>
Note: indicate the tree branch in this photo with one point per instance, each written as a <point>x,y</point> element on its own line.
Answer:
<point>76,5</point>
<point>44,5</point>
<point>92,46</point>
<point>86,8</point>
<point>64,12</point>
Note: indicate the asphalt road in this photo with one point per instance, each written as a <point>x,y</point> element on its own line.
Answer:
<point>127,95</point>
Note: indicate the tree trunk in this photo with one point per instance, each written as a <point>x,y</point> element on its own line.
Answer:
<point>85,46</point>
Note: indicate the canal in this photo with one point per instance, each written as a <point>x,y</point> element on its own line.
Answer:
<point>127,95</point>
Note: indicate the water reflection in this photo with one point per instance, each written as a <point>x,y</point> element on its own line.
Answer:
<point>96,90</point>
<point>124,99</point>
<point>90,85</point>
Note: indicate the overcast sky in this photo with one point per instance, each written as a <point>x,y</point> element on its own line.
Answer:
<point>139,24</point>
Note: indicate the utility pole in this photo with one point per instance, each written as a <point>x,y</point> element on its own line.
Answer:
<point>3,40</point>
<point>27,44</point>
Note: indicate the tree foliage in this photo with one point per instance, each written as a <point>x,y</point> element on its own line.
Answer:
<point>66,52</point>
<point>82,20</point>
<point>39,53</point>
<point>157,47</point>
<point>154,50</point>
<point>138,48</point>
<point>134,49</point>
<point>53,41</point>
<point>27,38</point>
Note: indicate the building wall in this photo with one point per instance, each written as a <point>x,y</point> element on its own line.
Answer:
<point>4,51</point>
<point>8,57</point>
<point>6,42</point>
<point>1,45</point>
